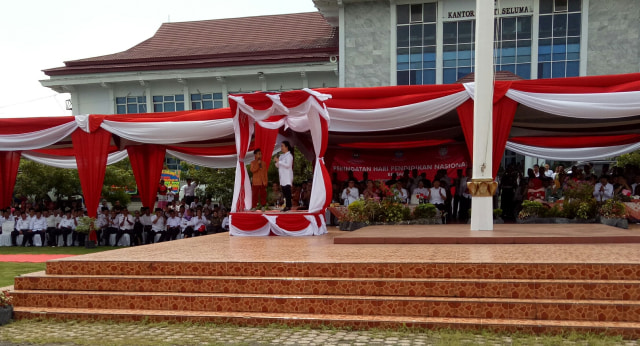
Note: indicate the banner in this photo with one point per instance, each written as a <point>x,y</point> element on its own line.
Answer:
<point>171,179</point>
<point>382,163</point>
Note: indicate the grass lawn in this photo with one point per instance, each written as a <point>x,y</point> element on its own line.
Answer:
<point>9,270</point>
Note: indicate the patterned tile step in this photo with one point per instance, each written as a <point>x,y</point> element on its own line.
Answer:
<point>477,288</point>
<point>540,309</point>
<point>625,329</point>
<point>578,271</point>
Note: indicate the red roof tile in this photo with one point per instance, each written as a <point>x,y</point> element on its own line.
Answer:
<point>297,37</point>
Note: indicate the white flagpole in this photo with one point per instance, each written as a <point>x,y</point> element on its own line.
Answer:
<point>481,185</point>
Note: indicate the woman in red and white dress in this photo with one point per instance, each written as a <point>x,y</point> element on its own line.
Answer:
<point>162,194</point>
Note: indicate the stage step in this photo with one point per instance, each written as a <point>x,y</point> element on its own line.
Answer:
<point>432,287</point>
<point>626,329</point>
<point>551,271</point>
<point>540,309</point>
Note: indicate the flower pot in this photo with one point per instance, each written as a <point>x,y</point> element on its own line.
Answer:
<point>6,314</point>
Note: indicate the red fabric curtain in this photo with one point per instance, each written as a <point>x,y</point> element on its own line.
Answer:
<point>9,162</point>
<point>244,126</point>
<point>265,139</point>
<point>147,161</point>
<point>324,123</point>
<point>503,112</point>
<point>292,222</point>
<point>248,221</point>
<point>91,151</point>
<point>465,114</point>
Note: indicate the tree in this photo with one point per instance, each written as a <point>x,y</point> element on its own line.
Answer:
<point>217,182</point>
<point>118,179</point>
<point>36,180</point>
<point>632,158</point>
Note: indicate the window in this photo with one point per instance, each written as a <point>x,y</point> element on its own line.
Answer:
<point>416,44</point>
<point>170,103</point>
<point>131,104</point>
<point>559,38</point>
<point>458,51</point>
<point>513,45</point>
<point>206,101</point>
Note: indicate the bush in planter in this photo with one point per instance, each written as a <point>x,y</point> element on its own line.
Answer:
<point>6,307</point>
<point>425,211</point>
<point>531,209</point>
<point>392,210</point>
<point>612,209</point>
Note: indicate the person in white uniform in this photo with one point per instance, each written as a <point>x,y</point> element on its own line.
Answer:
<point>285,171</point>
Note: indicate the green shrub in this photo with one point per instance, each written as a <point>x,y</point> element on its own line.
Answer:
<point>425,211</point>
<point>531,209</point>
<point>612,208</point>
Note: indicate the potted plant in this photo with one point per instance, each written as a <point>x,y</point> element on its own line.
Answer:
<point>6,308</point>
<point>612,213</point>
<point>426,213</point>
<point>86,227</point>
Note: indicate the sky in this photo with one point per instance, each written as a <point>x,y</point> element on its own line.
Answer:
<point>42,34</point>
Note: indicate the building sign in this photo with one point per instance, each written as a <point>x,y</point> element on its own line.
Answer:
<point>171,179</point>
<point>463,9</point>
<point>381,164</point>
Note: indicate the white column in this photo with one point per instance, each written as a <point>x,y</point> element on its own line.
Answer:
<point>482,201</point>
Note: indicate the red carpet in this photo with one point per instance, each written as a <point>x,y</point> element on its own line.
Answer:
<point>30,258</point>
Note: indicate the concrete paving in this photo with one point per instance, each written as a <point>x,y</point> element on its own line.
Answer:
<point>47,332</point>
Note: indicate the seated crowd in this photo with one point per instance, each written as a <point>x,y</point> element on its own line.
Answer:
<point>173,221</point>
<point>449,195</point>
<point>548,185</point>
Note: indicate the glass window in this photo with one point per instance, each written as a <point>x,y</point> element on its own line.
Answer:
<point>560,6</point>
<point>416,43</point>
<point>573,24</point>
<point>545,26</point>
<point>508,27</point>
<point>559,25</point>
<point>546,6</point>
<point>573,68</point>
<point>402,14</point>
<point>450,33</point>
<point>575,5</point>
<point>524,28</point>
<point>204,101</point>
<point>131,105</point>
<point>559,42</point>
<point>169,103</point>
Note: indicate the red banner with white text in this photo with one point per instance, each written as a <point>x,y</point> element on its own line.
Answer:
<point>382,163</point>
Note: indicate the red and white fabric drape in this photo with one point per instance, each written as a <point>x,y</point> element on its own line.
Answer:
<point>9,162</point>
<point>91,158</point>
<point>147,161</point>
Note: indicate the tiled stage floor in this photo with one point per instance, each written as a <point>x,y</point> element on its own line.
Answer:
<point>223,248</point>
<point>312,280</point>
<point>501,234</point>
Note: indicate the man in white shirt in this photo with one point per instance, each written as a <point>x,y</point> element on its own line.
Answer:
<point>350,194</point>
<point>125,225</point>
<point>548,172</point>
<point>173,227</point>
<point>225,221</point>
<point>603,190</point>
<point>437,195</point>
<point>157,226</point>
<point>22,227</point>
<point>102,222</point>
<point>145,221</point>
<point>51,227</point>
<point>190,191</point>
<point>401,192</point>
<point>38,227</point>
<point>67,225</point>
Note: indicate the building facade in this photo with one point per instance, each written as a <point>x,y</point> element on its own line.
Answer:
<point>400,42</point>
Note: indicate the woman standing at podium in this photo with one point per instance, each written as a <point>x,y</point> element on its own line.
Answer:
<point>285,170</point>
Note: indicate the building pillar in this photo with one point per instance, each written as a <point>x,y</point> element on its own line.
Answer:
<point>482,185</point>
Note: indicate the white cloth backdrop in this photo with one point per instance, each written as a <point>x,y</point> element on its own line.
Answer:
<point>37,139</point>
<point>68,161</point>
<point>170,132</point>
<point>572,154</point>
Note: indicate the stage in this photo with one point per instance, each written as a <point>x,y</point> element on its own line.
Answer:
<point>501,234</point>
<point>313,281</point>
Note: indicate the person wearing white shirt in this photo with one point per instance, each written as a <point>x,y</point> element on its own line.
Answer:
<point>38,227</point>
<point>173,227</point>
<point>400,192</point>
<point>102,222</point>
<point>437,195</point>
<point>186,224</point>
<point>190,191</point>
<point>51,227</point>
<point>22,227</point>
<point>199,223</point>
<point>125,224</point>
<point>145,221</point>
<point>421,191</point>
<point>548,172</point>
<point>67,224</point>
<point>350,193</point>
<point>285,171</point>
<point>157,226</point>
<point>603,190</point>
<point>225,224</point>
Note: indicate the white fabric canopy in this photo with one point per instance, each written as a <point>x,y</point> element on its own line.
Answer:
<point>223,161</point>
<point>170,132</point>
<point>68,161</point>
<point>585,106</point>
<point>37,139</point>
<point>572,154</point>
<point>384,119</point>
